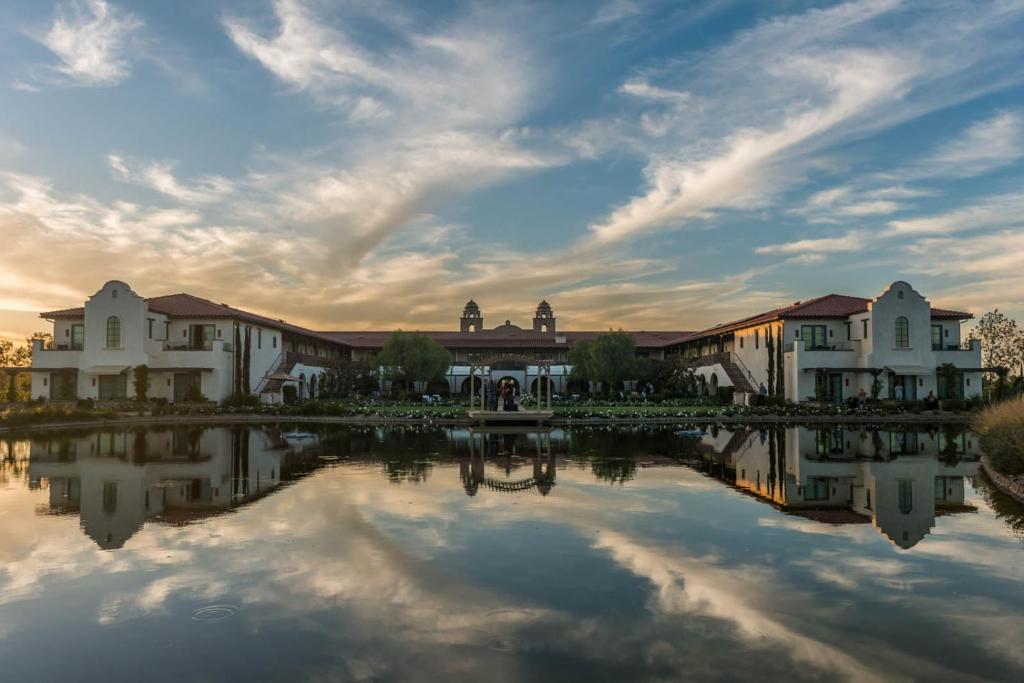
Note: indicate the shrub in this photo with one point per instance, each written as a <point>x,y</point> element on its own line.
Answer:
<point>290,393</point>
<point>725,395</point>
<point>1001,431</point>
<point>955,404</point>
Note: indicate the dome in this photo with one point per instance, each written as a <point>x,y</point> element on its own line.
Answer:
<point>544,309</point>
<point>471,308</point>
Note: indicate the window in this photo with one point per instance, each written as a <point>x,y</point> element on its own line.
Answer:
<point>902,443</point>
<point>950,387</point>
<point>830,441</point>
<point>905,491</point>
<point>274,341</point>
<point>864,322</point>
<point>113,332</point>
<point>113,387</point>
<point>813,336</point>
<point>940,488</point>
<point>202,337</point>
<point>816,489</point>
<point>936,337</point>
<point>111,443</point>
<point>77,337</point>
<point>902,332</point>
<point>757,339</point>
<point>259,339</point>
<point>150,322</point>
<point>741,342</point>
<point>849,330</point>
<point>110,492</point>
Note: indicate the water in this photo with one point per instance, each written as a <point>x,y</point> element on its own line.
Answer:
<point>594,554</point>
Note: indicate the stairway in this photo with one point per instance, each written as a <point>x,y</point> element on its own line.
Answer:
<point>738,377</point>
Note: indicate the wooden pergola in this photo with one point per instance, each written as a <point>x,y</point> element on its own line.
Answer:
<point>544,383</point>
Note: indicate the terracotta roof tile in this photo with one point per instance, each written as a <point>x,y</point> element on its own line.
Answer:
<point>184,305</point>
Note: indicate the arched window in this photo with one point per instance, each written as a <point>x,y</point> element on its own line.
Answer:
<point>113,332</point>
<point>902,333</point>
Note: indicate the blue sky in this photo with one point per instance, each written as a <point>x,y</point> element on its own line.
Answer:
<point>641,164</point>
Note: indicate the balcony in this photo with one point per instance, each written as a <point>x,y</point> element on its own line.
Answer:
<point>54,359</point>
<point>965,355</point>
<point>174,356</point>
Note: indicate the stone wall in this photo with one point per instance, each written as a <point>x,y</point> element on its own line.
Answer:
<point>1013,486</point>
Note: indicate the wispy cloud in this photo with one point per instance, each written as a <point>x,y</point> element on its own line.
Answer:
<point>90,38</point>
<point>986,145</point>
<point>159,177</point>
<point>798,86</point>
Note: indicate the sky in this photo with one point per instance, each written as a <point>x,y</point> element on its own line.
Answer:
<point>647,165</point>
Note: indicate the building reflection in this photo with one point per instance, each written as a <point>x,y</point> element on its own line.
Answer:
<point>115,481</point>
<point>899,481</point>
<point>509,450</point>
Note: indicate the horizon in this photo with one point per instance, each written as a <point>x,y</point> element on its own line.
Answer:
<point>640,165</point>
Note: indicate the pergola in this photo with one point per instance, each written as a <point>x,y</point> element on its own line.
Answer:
<point>480,364</point>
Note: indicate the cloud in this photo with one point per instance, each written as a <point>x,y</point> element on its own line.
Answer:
<point>984,146</point>
<point>614,11</point>
<point>798,86</point>
<point>90,38</point>
<point>638,87</point>
<point>996,211</point>
<point>851,241</point>
<point>159,177</point>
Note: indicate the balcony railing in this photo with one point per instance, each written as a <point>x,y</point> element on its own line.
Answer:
<point>803,345</point>
<point>185,346</point>
<point>969,345</point>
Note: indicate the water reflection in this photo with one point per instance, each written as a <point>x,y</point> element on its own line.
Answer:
<point>896,480</point>
<point>115,481</point>
<point>451,554</point>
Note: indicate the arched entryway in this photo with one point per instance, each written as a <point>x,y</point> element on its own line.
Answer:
<point>313,386</point>
<point>302,386</point>
<point>548,386</point>
<point>713,384</point>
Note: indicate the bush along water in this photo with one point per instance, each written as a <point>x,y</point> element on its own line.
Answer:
<point>1001,430</point>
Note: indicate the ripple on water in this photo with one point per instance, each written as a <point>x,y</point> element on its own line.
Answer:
<point>214,613</point>
<point>505,644</point>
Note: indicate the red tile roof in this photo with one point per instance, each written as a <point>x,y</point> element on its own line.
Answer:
<point>501,339</point>
<point>188,306</point>
<point>828,306</point>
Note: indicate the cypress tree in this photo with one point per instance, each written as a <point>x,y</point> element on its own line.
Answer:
<point>246,387</point>
<point>779,375</point>
<point>237,384</point>
<point>769,345</point>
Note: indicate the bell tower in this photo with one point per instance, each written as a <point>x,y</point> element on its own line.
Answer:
<point>544,318</point>
<point>471,320</point>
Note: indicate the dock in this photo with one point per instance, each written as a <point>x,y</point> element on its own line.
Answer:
<point>511,417</point>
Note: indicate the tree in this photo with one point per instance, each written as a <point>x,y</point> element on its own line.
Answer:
<point>610,358</point>
<point>780,382</point>
<point>1002,342</point>
<point>18,387</point>
<point>246,358</point>
<point>141,381</point>
<point>414,357</point>
<point>345,376</point>
<point>238,360</point>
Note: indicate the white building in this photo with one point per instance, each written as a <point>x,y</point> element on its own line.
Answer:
<point>187,343</point>
<point>834,346</point>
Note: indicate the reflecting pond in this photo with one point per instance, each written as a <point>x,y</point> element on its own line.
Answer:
<point>334,553</point>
